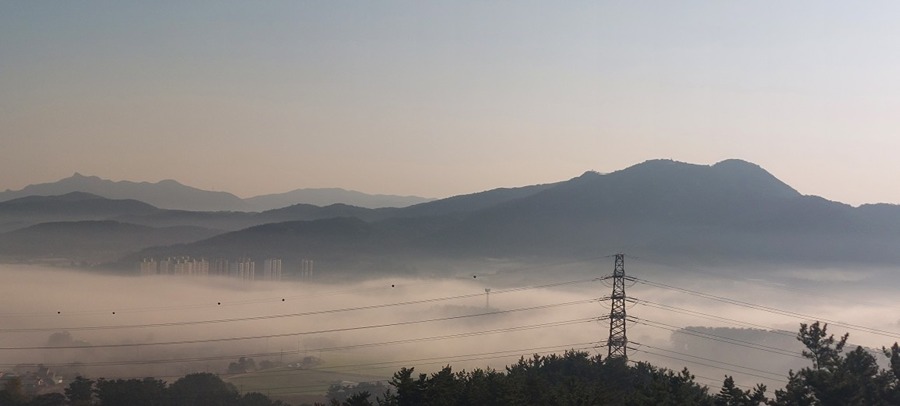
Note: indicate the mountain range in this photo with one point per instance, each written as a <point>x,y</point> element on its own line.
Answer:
<point>730,212</point>
<point>170,194</point>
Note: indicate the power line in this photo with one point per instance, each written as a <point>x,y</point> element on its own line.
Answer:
<point>425,361</point>
<point>270,299</point>
<point>463,335</point>
<point>431,300</point>
<point>712,360</point>
<point>334,330</point>
<point>436,360</point>
<point>769,309</point>
<point>308,296</point>
<point>714,337</point>
<point>492,355</point>
<point>301,314</point>
<point>327,349</point>
<point>709,316</point>
<point>793,289</point>
<point>710,366</point>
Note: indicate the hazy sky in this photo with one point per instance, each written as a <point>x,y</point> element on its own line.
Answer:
<point>438,98</point>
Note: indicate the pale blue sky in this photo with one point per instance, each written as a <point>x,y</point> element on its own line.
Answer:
<point>441,98</point>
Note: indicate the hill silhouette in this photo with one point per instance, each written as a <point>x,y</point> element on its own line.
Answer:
<point>30,210</point>
<point>731,211</point>
<point>172,195</point>
<point>90,241</point>
<point>167,194</point>
<point>330,196</point>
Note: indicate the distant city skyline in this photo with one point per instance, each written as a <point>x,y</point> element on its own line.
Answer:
<point>437,99</point>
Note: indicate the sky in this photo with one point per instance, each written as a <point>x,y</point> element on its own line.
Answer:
<point>441,98</point>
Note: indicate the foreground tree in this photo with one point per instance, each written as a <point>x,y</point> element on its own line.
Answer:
<point>48,399</point>
<point>202,389</point>
<point>836,378</point>
<point>13,392</point>
<point>258,399</point>
<point>574,378</point>
<point>80,391</point>
<point>135,392</point>
<point>731,395</point>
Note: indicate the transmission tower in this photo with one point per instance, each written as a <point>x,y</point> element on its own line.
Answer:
<point>618,341</point>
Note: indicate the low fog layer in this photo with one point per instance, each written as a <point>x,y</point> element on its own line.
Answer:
<point>127,326</point>
<point>293,320</point>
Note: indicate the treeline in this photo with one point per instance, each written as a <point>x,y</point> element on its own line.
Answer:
<point>576,378</point>
<point>191,390</point>
<point>573,378</point>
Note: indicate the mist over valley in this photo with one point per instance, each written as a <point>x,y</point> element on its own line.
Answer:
<point>441,203</point>
<point>730,213</point>
<point>723,262</point>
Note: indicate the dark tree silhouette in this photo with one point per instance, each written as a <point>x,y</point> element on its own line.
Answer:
<point>202,389</point>
<point>80,391</point>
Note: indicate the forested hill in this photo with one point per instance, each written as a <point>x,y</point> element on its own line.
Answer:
<point>733,211</point>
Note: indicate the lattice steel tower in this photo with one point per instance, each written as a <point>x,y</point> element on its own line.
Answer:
<point>618,341</point>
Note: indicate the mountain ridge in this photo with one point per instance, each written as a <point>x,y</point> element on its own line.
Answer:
<point>30,210</point>
<point>93,241</point>
<point>330,196</point>
<point>733,210</point>
<point>173,195</point>
<point>167,193</point>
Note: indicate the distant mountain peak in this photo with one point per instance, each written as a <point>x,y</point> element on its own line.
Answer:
<point>740,165</point>
<point>170,182</point>
<point>656,167</point>
<point>80,176</point>
<point>735,161</point>
<point>740,177</point>
<point>754,175</point>
<point>167,194</point>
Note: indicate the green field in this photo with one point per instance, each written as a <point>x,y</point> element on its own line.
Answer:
<point>309,385</point>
